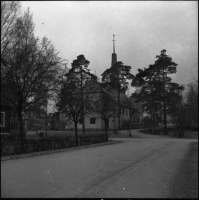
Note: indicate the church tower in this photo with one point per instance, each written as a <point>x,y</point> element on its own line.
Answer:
<point>114,55</point>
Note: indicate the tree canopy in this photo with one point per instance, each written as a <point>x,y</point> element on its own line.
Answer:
<point>155,86</point>
<point>117,77</point>
<point>77,91</point>
<point>30,68</point>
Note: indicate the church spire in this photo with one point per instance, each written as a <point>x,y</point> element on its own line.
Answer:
<point>113,43</point>
<point>114,55</point>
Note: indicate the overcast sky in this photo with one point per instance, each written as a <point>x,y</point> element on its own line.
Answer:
<point>142,29</point>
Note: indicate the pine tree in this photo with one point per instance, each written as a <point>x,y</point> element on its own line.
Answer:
<point>79,73</point>
<point>77,91</point>
<point>164,65</point>
<point>154,85</point>
<point>116,77</point>
<point>148,92</point>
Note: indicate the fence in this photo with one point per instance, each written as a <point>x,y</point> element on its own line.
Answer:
<point>11,145</point>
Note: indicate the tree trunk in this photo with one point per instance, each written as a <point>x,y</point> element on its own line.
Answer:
<point>130,117</point>
<point>160,115</point>
<point>179,130</point>
<point>181,125</point>
<point>115,130</point>
<point>83,125</point>
<point>165,112</point>
<point>46,123</point>
<point>153,121</point>
<point>76,135</point>
<point>165,120</point>
<point>21,131</point>
<point>106,129</point>
<point>118,98</point>
<point>82,94</point>
<point>177,127</point>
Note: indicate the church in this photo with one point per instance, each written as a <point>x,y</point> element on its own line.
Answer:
<point>129,110</point>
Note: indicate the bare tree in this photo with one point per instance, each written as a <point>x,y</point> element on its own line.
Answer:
<point>177,111</point>
<point>69,102</point>
<point>129,103</point>
<point>10,11</point>
<point>104,106</point>
<point>30,71</point>
<point>70,98</point>
<point>191,99</point>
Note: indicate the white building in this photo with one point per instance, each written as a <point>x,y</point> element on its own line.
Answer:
<point>94,122</point>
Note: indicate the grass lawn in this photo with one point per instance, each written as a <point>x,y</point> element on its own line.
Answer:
<point>64,133</point>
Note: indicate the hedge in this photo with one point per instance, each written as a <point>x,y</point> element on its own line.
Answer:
<point>11,145</point>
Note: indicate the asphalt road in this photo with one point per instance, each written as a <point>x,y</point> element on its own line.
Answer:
<point>136,168</point>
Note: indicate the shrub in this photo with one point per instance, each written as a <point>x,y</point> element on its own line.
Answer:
<point>37,127</point>
<point>11,145</point>
<point>157,131</point>
<point>194,126</point>
<point>91,138</point>
<point>147,122</point>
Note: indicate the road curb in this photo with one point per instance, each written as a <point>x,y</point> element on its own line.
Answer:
<point>33,154</point>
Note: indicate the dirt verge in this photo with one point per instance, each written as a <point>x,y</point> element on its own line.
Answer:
<point>185,183</point>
